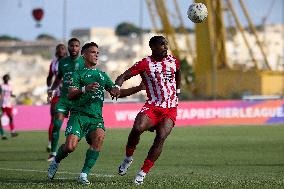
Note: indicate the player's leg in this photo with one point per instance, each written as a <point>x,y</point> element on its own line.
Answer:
<point>9,113</point>
<point>52,116</point>
<point>2,132</point>
<point>163,129</point>
<point>142,123</point>
<point>62,110</point>
<point>63,151</point>
<point>73,135</point>
<point>95,138</point>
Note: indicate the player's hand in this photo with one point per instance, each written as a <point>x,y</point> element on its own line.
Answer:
<point>115,93</point>
<point>49,95</point>
<point>92,87</point>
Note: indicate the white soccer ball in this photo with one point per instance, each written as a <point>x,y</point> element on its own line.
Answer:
<point>197,12</point>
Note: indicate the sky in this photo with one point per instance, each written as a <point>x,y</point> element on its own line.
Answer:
<point>16,19</point>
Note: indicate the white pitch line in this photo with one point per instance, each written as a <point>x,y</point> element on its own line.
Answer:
<point>60,172</point>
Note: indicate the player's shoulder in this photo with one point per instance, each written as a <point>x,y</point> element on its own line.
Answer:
<point>64,60</point>
<point>172,57</point>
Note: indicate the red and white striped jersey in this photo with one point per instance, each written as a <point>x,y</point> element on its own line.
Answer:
<point>6,92</point>
<point>53,70</point>
<point>159,79</point>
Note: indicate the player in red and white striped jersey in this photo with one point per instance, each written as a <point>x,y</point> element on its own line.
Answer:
<point>60,52</point>
<point>160,75</point>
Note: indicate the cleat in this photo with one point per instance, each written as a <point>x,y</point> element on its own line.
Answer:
<point>51,158</point>
<point>139,178</point>
<point>14,134</point>
<point>4,138</point>
<point>122,169</point>
<point>52,169</point>
<point>83,179</point>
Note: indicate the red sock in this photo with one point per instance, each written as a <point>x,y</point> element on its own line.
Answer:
<point>147,166</point>
<point>12,127</point>
<point>129,151</point>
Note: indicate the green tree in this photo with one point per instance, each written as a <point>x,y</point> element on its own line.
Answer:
<point>8,38</point>
<point>126,29</point>
<point>45,37</point>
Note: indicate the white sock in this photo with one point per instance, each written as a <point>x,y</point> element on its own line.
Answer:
<point>130,158</point>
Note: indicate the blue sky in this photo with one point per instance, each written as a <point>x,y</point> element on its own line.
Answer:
<point>16,19</point>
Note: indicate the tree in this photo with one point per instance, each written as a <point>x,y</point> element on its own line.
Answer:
<point>45,37</point>
<point>126,29</point>
<point>8,38</point>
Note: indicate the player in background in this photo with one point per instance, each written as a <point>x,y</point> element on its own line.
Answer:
<point>2,132</point>
<point>86,120</point>
<point>67,66</point>
<point>60,52</point>
<point>161,76</point>
<point>7,106</point>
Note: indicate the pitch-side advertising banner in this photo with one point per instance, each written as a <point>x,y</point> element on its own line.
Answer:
<point>198,113</point>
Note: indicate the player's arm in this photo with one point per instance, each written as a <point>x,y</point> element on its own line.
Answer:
<point>132,90</point>
<point>76,92</point>
<point>123,77</point>
<point>178,78</point>
<point>49,77</point>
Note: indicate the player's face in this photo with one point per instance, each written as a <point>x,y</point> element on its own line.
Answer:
<point>92,55</point>
<point>160,48</point>
<point>74,48</point>
<point>61,51</point>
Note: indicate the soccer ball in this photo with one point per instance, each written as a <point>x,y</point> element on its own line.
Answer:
<point>197,12</point>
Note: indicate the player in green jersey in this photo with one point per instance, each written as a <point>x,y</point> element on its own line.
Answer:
<point>86,120</point>
<point>66,68</point>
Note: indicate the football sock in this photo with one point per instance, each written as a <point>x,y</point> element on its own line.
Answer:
<point>1,131</point>
<point>91,158</point>
<point>129,151</point>
<point>60,154</point>
<point>55,134</point>
<point>147,166</point>
<point>12,128</point>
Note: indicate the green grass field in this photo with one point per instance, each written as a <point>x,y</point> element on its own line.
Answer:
<point>201,157</point>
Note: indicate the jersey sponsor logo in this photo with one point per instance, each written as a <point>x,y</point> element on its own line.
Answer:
<point>65,65</point>
<point>61,110</point>
<point>102,77</point>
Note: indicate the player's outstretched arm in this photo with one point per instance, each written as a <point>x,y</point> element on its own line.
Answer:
<point>123,77</point>
<point>132,90</point>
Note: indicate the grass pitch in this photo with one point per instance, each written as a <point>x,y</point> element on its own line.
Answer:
<point>201,157</point>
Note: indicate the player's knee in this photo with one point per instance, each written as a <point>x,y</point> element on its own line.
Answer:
<point>70,147</point>
<point>137,129</point>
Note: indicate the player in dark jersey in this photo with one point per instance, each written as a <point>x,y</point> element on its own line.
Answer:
<point>86,120</point>
<point>60,52</point>
<point>160,74</point>
<point>67,66</point>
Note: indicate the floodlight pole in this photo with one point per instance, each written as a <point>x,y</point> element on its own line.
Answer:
<point>64,20</point>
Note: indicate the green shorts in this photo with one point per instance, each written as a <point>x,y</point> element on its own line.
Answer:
<point>81,125</point>
<point>63,106</point>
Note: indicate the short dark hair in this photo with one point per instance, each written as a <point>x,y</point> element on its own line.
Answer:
<point>155,40</point>
<point>73,39</point>
<point>88,45</point>
<point>6,76</point>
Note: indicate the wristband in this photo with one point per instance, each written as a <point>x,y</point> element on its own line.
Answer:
<point>83,89</point>
<point>117,86</point>
<point>178,91</point>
